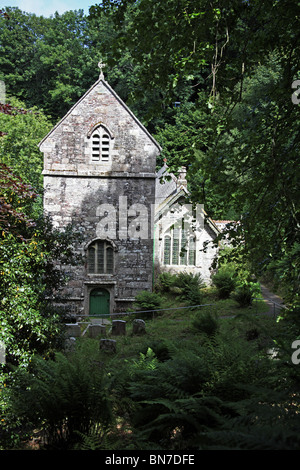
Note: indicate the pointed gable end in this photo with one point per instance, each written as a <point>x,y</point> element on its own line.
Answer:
<point>99,135</point>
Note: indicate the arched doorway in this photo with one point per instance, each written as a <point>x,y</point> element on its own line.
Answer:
<point>99,302</point>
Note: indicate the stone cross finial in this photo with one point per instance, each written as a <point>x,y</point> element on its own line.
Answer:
<point>101,66</point>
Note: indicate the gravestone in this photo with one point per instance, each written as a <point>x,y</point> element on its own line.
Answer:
<point>70,344</point>
<point>95,330</point>
<point>108,345</point>
<point>138,327</point>
<point>73,329</point>
<point>118,327</point>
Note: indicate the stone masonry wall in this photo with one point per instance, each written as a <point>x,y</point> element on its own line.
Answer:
<point>76,190</point>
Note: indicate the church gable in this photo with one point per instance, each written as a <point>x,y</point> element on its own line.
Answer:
<point>183,232</point>
<point>99,135</point>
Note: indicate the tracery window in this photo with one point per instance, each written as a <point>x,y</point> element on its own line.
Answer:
<point>100,145</point>
<point>100,258</point>
<point>179,248</point>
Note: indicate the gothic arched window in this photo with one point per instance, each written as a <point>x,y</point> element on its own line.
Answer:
<point>100,145</point>
<point>179,248</point>
<point>100,258</point>
<point>167,249</point>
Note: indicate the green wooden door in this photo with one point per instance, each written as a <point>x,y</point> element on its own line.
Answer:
<point>99,302</point>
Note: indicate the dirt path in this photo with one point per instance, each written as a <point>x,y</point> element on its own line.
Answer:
<point>274,302</point>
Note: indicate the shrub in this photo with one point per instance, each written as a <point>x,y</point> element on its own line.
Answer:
<point>66,397</point>
<point>161,348</point>
<point>243,295</point>
<point>192,295</point>
<point>245,292</point>
<point>185,280</point>
<point>147,301</point>
<point>188,287</point>
<point>206,322</point>
<point>225,282</point>
<point>165,282</point>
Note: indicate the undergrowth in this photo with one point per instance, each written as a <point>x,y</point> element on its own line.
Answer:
<point>197,379</point>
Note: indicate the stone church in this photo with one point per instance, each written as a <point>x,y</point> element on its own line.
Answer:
<point>99,174</point>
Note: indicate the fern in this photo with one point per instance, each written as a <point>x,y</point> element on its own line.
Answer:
<point>199,391</point>
<point>64,397</point>
<point>270,425</point>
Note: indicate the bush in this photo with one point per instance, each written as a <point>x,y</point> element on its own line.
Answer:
<point>245,292</point>
<point>165,282</point>
<point>161,348</point>
<point>146,301</point>
<point>188,287</point>
<point>243,295</point>
<point>66,397</point>
<point>192,295</point>
<point>225,282</point>
<point>185,280</point>
<point>206,322</point>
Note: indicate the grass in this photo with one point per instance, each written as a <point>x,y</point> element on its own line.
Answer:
<point>174,326</point>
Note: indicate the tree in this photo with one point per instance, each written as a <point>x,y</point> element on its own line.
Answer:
<point>47,62</point>
<point>258,153</point>
<point>246,151</point>
<point>28,273</point>
<point>22,129</point>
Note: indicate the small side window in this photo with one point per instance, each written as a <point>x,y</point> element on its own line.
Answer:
<point>100,145</point>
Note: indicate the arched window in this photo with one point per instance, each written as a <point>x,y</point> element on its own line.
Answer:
<point>192,251</point>
<point>179,248</point>
<point>183,249</point>
<point>100,258</point>
<point>175,248</point>
<point>167,249</point>
<point>100,145</point>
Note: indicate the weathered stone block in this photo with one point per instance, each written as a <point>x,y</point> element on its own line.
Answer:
<point>94,331</point>
<point>108,345</point>
<point>70,344</point>
<point>138,327</point>
<point>118,327</point>
<point>73,329</point>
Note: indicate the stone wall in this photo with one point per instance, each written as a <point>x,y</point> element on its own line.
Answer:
<point>104,200</point>
<point>197,227</point>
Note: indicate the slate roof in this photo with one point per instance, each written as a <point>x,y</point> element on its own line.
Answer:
<point>165,187</point>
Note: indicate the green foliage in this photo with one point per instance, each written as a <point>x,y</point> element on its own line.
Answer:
<point>185,279</point>
<point>237,131</point>
<point>243,295</point>
<point>66,398</point>
<point>23,129</point>
<point>206,322</point>
<point>29,250</point>
<point>186,286</point>
<point>285,272</point>
<point>191,393</point>
<point>46,62</point>
<point>146,302</point>
<point>225,281</point>
<point>165,281</point>
<point>161,348</point>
